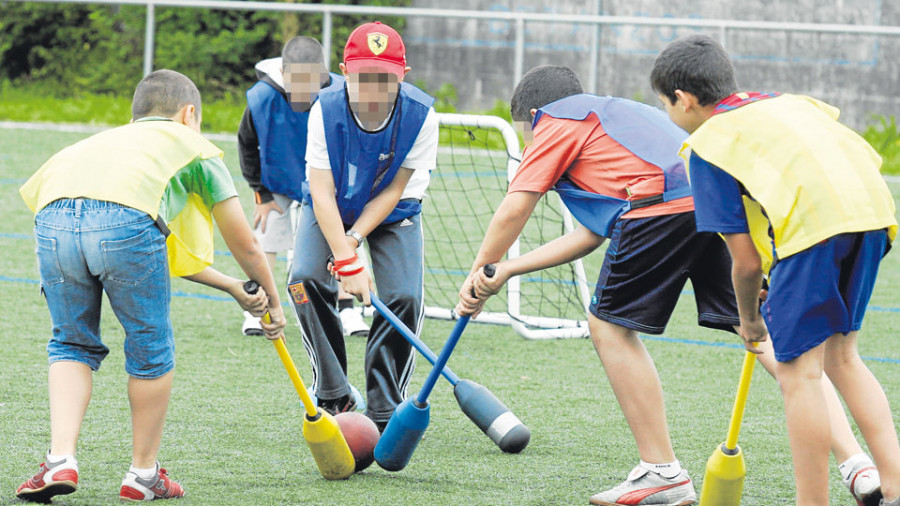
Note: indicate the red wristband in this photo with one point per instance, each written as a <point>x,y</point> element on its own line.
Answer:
<point>352,272</point>
<point>344,263</point>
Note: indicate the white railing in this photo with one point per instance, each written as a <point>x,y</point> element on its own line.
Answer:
<point>519,18</point>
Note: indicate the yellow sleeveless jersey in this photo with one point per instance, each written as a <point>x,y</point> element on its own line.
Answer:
<point>132,165</point>
<point>811,177</point>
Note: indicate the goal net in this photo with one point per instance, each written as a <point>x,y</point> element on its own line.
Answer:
<point>477,157</point>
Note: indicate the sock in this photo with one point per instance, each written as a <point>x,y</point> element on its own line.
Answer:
<point>345,303</point>
<point>669,470</point>
<point>895,502</point>
<point>847,466</point>
<point>52,459</point>
<point>145,474</point>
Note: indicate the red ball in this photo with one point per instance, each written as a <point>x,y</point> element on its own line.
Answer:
<point>361,434</point>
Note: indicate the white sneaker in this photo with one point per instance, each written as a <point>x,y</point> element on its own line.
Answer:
<point>353,324</point>
<point>251,325</point>
<point>864,483</point>
<point>645,487</point>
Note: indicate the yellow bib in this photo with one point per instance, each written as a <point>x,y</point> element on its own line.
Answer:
<point>813,177</point>
<point>132,165</point>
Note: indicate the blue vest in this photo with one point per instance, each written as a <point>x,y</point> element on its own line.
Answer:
<point>645,131</point>
<point>362,163</point>
<point>282,137</point>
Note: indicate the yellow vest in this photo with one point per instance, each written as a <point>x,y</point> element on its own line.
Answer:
<point>132,165</point>
<point>813,177</point>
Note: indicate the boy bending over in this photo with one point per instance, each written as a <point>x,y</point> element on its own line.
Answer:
<point>118,213</point>
<point>798,196</point>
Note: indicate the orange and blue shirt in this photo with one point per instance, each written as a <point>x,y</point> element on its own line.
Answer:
<point>616,149</point>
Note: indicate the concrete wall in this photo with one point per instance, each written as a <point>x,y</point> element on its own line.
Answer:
<point>859,74</point>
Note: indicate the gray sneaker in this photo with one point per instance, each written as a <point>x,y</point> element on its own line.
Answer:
<point>645,487</point>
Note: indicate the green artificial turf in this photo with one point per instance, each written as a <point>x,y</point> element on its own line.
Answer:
<point>233,433</point>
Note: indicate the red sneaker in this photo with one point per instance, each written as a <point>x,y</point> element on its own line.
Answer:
<point>135,488</point>
<point>57,478</point>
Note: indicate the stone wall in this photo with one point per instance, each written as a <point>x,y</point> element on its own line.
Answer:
<point>858,73</point>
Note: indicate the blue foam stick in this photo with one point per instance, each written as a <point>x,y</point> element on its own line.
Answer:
<point>411,337</point>
<point>410,420</point>
<point>442,359</point>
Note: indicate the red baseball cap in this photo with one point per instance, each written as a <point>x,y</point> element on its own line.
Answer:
<point>375,45</point>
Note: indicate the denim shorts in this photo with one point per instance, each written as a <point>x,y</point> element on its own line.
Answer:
<point>86,247</point>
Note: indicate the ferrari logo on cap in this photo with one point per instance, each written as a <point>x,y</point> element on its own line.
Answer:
<point>377,42</point>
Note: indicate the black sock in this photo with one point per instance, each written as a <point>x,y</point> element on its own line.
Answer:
<point>345,303</point>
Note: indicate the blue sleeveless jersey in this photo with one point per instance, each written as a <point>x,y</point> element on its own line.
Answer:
<point>282,137</point>
<point>362,163</point>
<point>645,131</point>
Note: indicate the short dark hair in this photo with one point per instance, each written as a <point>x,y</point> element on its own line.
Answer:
<point>541,86</point>
<point>302,50</point>
<point>696,64</point>
<point>163,93</point>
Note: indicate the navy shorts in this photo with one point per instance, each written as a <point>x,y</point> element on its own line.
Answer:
<point>822,291</point>
<point>649,260</point>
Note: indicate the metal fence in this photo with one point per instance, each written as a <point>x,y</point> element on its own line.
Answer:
<point>517,19</point>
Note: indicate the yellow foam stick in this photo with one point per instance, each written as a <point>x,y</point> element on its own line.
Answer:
<point>321,431</point>
<point>723,481</point>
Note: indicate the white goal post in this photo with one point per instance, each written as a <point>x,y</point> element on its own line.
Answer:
<point>479,155</point>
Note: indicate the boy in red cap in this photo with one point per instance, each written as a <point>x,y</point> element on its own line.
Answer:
<point>370,149</point>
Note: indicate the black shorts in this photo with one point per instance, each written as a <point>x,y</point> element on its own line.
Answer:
<point>647,263</point>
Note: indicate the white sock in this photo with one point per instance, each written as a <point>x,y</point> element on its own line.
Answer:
<point>57,458</point>
<point>669,470</point>
<point>145,474</point>
<point>847,466</point>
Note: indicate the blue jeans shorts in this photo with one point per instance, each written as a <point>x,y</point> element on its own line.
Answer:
<point>86,247</point>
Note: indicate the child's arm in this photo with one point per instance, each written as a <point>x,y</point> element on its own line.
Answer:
<point>321,185</point>
<point>321,189</point>
<point>243,245</point>
<point>572,246</point>
<point>381,206</point>
<point>255,304</point>
<point>746,275</point>
<point>508,221</point>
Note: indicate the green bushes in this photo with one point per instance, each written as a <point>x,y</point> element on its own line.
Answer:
<point>99,49</point>
<point>885,138</point>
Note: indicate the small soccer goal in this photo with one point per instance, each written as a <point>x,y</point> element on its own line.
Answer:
<point>477,158</point>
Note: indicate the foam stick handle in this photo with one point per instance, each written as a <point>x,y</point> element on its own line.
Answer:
<point>740,400</point>
<point>411,337</point>
<point>442,359</point>
<point>312,413</point>
<point>448,349</point>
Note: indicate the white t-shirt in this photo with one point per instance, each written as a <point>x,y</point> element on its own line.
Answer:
<point>422,158</point>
